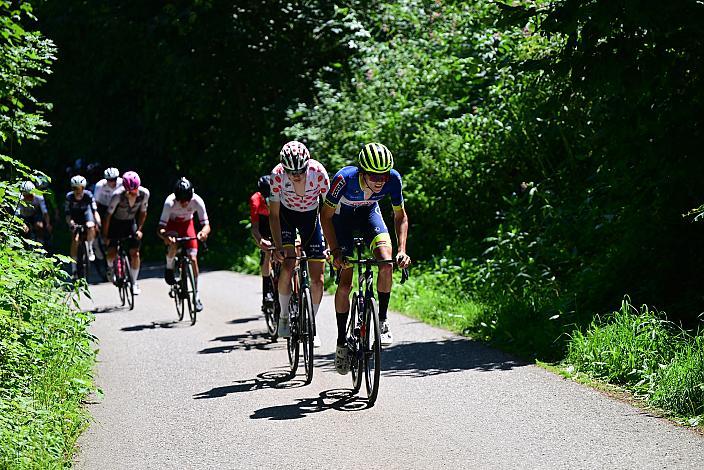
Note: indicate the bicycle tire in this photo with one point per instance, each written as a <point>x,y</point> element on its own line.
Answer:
<point>191,292</point>
<point>176,294</point>
<point>129,285</point>
<point>307,333</point>
<point>82,261</point>
<point>292,341</point>
<point>353,349</point>
<point>271,315</point>
<point>372,350</point>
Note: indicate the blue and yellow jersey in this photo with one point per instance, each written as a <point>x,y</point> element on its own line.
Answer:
<point>347,190</point>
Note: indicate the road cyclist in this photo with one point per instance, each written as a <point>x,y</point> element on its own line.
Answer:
<point>297,184</point>
<point>177,221</point>
<point>352,205</point>
<point>124,219</point>
<point>82,219</point>
<point>32,209</point>
<point>261,232</point>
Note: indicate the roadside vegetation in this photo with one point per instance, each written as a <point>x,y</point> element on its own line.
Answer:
<point>46,354</point>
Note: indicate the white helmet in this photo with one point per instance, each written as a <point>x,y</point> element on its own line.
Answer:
<point>111,173</point>
<point>294,156</point>
<point>27,187</point>
<point>78,180</point>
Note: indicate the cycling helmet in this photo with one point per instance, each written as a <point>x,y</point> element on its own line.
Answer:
<point>27,187</point>
<point>263,185</point>
<point>111,173</point>
<point>294,156</point>
<point>183,190</point>
<point>375,158</point>
<point>131,181</point>
<point>42,182</point>
<point>78,180</point>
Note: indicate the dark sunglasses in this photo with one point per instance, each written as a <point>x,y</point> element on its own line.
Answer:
<point>297,172</point>
<point>378,177</point>
<point>112,179</point>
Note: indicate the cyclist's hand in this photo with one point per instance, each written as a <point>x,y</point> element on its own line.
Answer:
<point>138,234</point>
<point>72,225</point>
<point>169,240</point>
<point>402,259</point>
<point>279,255</point>
<point>338,261</point>
<point>264,244</point>
<point>25,228</point>
<point>202,236</point>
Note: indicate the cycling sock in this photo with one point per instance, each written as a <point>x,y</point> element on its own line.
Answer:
<point>342,328</point>
<point>315,309</point>
<point>170,262</point>
<point>383,304</point>
<point>283,301</point>
<point>135,274</point>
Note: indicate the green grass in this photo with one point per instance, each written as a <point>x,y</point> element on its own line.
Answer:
<point>641,351</point>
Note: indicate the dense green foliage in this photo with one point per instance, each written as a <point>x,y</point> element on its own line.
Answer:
<point>46,354</point>
<point>647,354</point>
<point>553,146</point>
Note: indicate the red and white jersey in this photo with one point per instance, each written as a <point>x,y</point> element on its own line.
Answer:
<point>317,184</point>
<point>174,210</point>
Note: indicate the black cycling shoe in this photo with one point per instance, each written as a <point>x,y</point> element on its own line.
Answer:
<point>169,276</point>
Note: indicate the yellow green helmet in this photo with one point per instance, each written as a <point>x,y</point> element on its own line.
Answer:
<point>375,158</point>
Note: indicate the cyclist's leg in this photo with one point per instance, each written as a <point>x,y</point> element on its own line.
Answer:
<point>377,235</point>
<point>344,225</point>
<point>313,244</point>
<point>75,238</point>
<point>89,221</point>
<point>288,239</point>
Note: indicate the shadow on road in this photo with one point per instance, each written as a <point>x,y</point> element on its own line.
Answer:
<point>424,359</point>
<point>106,309</point>
<point>340,399</point>
<point>152,326</point>
<point>238,321</point>
<point>247,341</point>
<point>273,379</point>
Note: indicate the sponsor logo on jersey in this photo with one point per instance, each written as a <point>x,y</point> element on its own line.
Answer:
<point>337,186</point>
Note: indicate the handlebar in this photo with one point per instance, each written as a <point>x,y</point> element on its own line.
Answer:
<point>369,261</point>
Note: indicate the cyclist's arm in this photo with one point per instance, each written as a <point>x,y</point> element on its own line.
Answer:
<point>326,213</point>
<point>141,217</point>
<point>401,225</point>
<point>205,231</point>
<point>106,224</point>
<point>256,234</point>
<point>275,224</point>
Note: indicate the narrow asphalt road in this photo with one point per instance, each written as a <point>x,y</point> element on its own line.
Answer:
<point>211,396</point>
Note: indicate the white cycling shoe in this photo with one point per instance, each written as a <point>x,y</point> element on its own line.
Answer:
<point>387,338</point>
<point>342,360</point>
<point>316,341</point>
<point>135,289</point>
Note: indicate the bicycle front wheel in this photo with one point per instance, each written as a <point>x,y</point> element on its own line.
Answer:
<point>353,345</point>
<point>82,265</point>
<point>307,332</point>
<point>371,341</point>
<point>128,284</point>
<point>293,338</point>
<point>190,290</point>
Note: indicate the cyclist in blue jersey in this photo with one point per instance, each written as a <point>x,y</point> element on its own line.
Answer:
<point>352,205</point>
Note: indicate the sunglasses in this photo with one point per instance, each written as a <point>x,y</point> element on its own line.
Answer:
<point>297,172</point>
<point>112,180</point>
<point>378,177</point>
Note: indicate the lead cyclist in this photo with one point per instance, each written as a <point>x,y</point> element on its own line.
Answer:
<point>352,205</point>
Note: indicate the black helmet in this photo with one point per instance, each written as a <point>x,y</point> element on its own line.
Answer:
<point>183,190</point>
<point>263,185</point>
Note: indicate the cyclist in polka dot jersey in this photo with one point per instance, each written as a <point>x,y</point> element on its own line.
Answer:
<point>297,185</point>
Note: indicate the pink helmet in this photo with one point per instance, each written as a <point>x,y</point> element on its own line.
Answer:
<point>130,180</point>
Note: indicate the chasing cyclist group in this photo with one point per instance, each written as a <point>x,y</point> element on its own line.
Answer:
<point>296,205</point>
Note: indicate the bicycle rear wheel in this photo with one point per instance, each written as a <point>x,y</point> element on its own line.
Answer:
<point>307,332</point>
<point>371,341</point>
<point>189,284</point>
<point>353,345</point>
